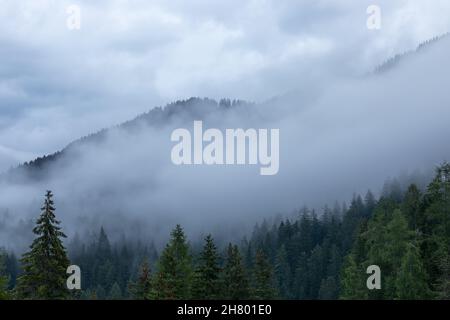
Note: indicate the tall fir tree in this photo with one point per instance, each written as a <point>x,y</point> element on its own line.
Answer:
<point>411,206</point>
<point>4,294</point>
<point>283,273</point>
<point>352,280</point>
<point>141,288</point>
<point>264,285</point>
<point>235,280</point>
<point>328,289</point>
<point>443,289</point>
<point>115,293</point>
<point>207,284</point>
<point>44,266</point>
<point>370,203</point>
<point>174,276</point>
<point>436,227</point>
<point>411,282</point>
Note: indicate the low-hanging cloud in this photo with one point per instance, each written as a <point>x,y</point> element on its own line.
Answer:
<point>340,132</point>
<point>345,138</point>
<point>57,85</point>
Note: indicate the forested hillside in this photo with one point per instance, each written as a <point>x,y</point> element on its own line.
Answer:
<point>158,117</point>
<point>314,256</point>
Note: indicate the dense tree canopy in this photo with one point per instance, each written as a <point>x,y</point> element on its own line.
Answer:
<point>406,232</point>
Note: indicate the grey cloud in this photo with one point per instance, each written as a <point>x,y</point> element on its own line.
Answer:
<point>350,132</point>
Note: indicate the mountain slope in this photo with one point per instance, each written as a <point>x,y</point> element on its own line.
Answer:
<point>350,137</point>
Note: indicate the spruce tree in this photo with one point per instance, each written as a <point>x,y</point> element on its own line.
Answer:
<point>328,289</point>
<point>100,293</point>
<point>206,283</point>
<point>174,277</point>
<point>436,227</point>
<point>235,278</point>
<point>370,203</point>
<point>140,289</point>
<point>3,278</point>
<point>316,271</point>
<point>103,267</point>
<point>444,280</point>
<point>411,280</point>
<point>264,287</point>
<point>115,293</point>
<point>411,206</point>
<point>3,288</point>
<point>44,266</point>
<point>352,280</point>
<point>387,238</point>
<point>283,273</point>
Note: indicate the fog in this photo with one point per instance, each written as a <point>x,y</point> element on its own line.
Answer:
<point>338,136</point>
<point>57,85</point>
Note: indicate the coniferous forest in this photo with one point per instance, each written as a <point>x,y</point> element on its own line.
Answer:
<point>316,255</point>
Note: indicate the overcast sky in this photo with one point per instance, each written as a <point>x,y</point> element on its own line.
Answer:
<point>58,84</point>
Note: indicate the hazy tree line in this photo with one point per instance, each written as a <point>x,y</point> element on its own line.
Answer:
<point>406,233</point>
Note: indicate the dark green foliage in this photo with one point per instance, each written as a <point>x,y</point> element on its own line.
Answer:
<point>283,273</point>
<point>436,227</point>
<point>104,263</point>
<point>115,292</point>
<point>4,294</point>
<point>207,282</point>
<point>408,237</point>
<point>411,207</point>
<point>443,285</point>
<point>173,279</point>
<point>353,282</point>
<point>236,286</point>
<point>264,285</point>
<point>406,233</point>
<point>411,282</point>
<point>141,288</point>
<point>44,266</point>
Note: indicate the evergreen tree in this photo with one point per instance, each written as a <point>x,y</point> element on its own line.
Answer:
<point>444,280</point>
<point>206,283</point>
<point>141,288</point>
<point>283,273</point>
<point>316,271</point>
<point>436,226</point>
<point>387,237</point>
<point>351,221</point>
<point>174,277</point>
<point>11,269</point>
<point>370,203</point>
<point>103,267</point>
<point>328,289</point>
<point>4,295</point>
<point>353,284</point>
<point>115,292</point>
<point>3,277</point>
<point>301,281</point>
<point>100,293</point>
<point>411,281</point>
<point>44,266</point>
<point>264,287</point>
<point>411,206</point>
<point>235,280</point>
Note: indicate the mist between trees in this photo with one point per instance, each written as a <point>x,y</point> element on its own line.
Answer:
<point>405,233</point>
